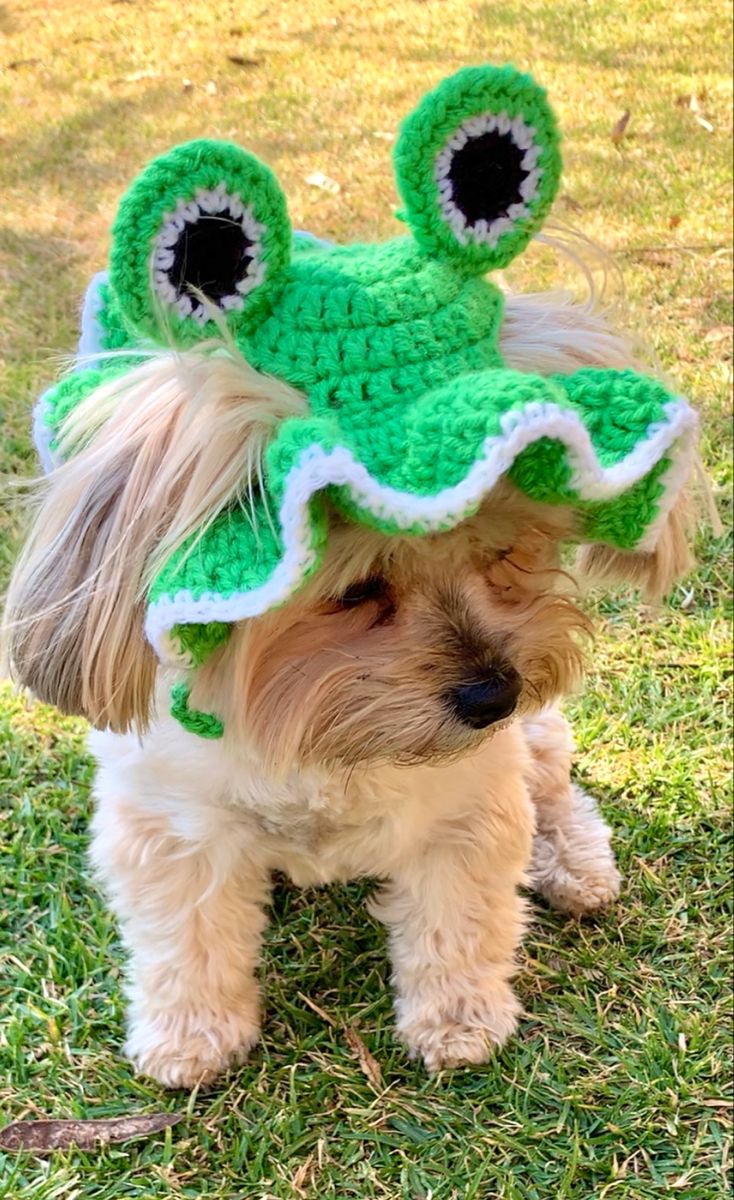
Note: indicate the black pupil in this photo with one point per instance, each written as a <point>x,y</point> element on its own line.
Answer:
<point>486,175</point>
<point>373,588</point>
<point>211,255</point>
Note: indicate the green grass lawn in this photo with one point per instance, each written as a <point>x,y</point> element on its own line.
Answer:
<point>618,1083</point>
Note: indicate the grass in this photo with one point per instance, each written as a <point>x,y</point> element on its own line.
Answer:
<point>617,1086</point>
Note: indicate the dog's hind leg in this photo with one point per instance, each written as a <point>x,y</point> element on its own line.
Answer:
<point>573,863</point>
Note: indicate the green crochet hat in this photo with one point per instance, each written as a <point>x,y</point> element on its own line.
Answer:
<point>412,414</point>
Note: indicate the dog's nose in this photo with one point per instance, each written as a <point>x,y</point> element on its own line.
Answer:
<point>487,700</point>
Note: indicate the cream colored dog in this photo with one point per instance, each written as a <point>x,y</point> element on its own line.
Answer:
<point>341,757</point>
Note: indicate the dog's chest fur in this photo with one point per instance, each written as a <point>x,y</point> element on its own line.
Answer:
<point>315,826</point>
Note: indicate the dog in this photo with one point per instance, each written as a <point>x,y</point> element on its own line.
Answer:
<point>343,756</point>
<point>395,714</point>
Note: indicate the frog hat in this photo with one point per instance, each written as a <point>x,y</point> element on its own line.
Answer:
<point>412,414</point>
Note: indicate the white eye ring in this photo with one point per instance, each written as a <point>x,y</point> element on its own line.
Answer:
<point>523,137</point>
<point>215,202</point>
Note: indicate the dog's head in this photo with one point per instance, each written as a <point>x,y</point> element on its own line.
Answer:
<point>405,649</point>
<point>401,648</point>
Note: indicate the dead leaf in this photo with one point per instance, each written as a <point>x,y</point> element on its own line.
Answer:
<point>619,128</point>
<point>136,76</point>
<point>703,122</point>
<point>718,333</point>
<point>675,221</point>
<point>571,204</point>
<point>240,61</point>
<point>304,1175</point>
<point>319,180</point>
<point>368,1064</point>
<point>17,63</point>
<point>43,1136</point>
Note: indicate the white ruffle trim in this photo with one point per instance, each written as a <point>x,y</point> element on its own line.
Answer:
<point>317,469</point>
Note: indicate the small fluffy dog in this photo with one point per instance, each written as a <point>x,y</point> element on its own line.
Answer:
<point>357,740</point>
<point>396,717</point>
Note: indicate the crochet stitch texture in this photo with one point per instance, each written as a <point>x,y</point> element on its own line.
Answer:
<point>412,414</point>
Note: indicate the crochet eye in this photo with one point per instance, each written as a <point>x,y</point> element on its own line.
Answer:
<point>202,231</point>
<point>478,165</point>
<point>208,253</point>
<point>487,175</point>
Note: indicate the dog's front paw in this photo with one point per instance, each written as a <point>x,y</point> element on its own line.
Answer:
<point>181,1049</point>
<point>457,1026</point>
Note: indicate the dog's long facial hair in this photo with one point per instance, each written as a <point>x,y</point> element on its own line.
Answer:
<point>405,650</point>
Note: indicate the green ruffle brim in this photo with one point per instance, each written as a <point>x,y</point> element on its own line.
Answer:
<point>612,445</point>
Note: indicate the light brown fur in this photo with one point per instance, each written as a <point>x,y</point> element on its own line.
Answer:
<point>316,683</point>
<point>344,751</point>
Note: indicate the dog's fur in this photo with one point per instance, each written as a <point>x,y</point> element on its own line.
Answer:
<point>341,756</point>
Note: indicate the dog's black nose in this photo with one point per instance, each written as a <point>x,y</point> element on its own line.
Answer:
<point>487,700</point>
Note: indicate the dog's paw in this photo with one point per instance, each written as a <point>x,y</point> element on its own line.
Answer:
<point>573,883</point>
<point>462,1029</point>
<point>573,863</point>
<point>578,895</point>
<point>180,1050</point>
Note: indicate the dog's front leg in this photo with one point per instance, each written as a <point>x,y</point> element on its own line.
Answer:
<point>455,921</point>
<point>190,902</point>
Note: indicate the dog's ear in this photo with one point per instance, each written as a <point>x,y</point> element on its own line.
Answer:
<point>151,456</point>
<point>654,571</point>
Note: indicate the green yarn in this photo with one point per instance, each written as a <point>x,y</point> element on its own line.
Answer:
<point>618,524</point>
<point>62,399</point>
<point>467,95</point>
<point>203,724</point>
<point>198,642</point>
<point>196,167</point>
<point>413,415</point>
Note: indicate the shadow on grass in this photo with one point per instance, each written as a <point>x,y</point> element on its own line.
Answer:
<point>8,23</point>
<point>74,152</point>
<point>39,274</point>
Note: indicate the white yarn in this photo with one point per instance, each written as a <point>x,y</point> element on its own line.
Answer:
<point>317,469</point>
<point>190,212</point>
<point>523,136</point>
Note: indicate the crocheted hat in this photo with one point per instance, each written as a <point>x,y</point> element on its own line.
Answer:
<point>412,414</point>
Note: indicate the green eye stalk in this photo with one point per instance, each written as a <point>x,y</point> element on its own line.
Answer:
<point>413,415</point>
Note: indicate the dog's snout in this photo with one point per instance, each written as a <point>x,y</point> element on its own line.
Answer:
<point>487,700</point>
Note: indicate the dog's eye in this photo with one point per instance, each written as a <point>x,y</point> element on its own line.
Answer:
<point>373,588</point>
